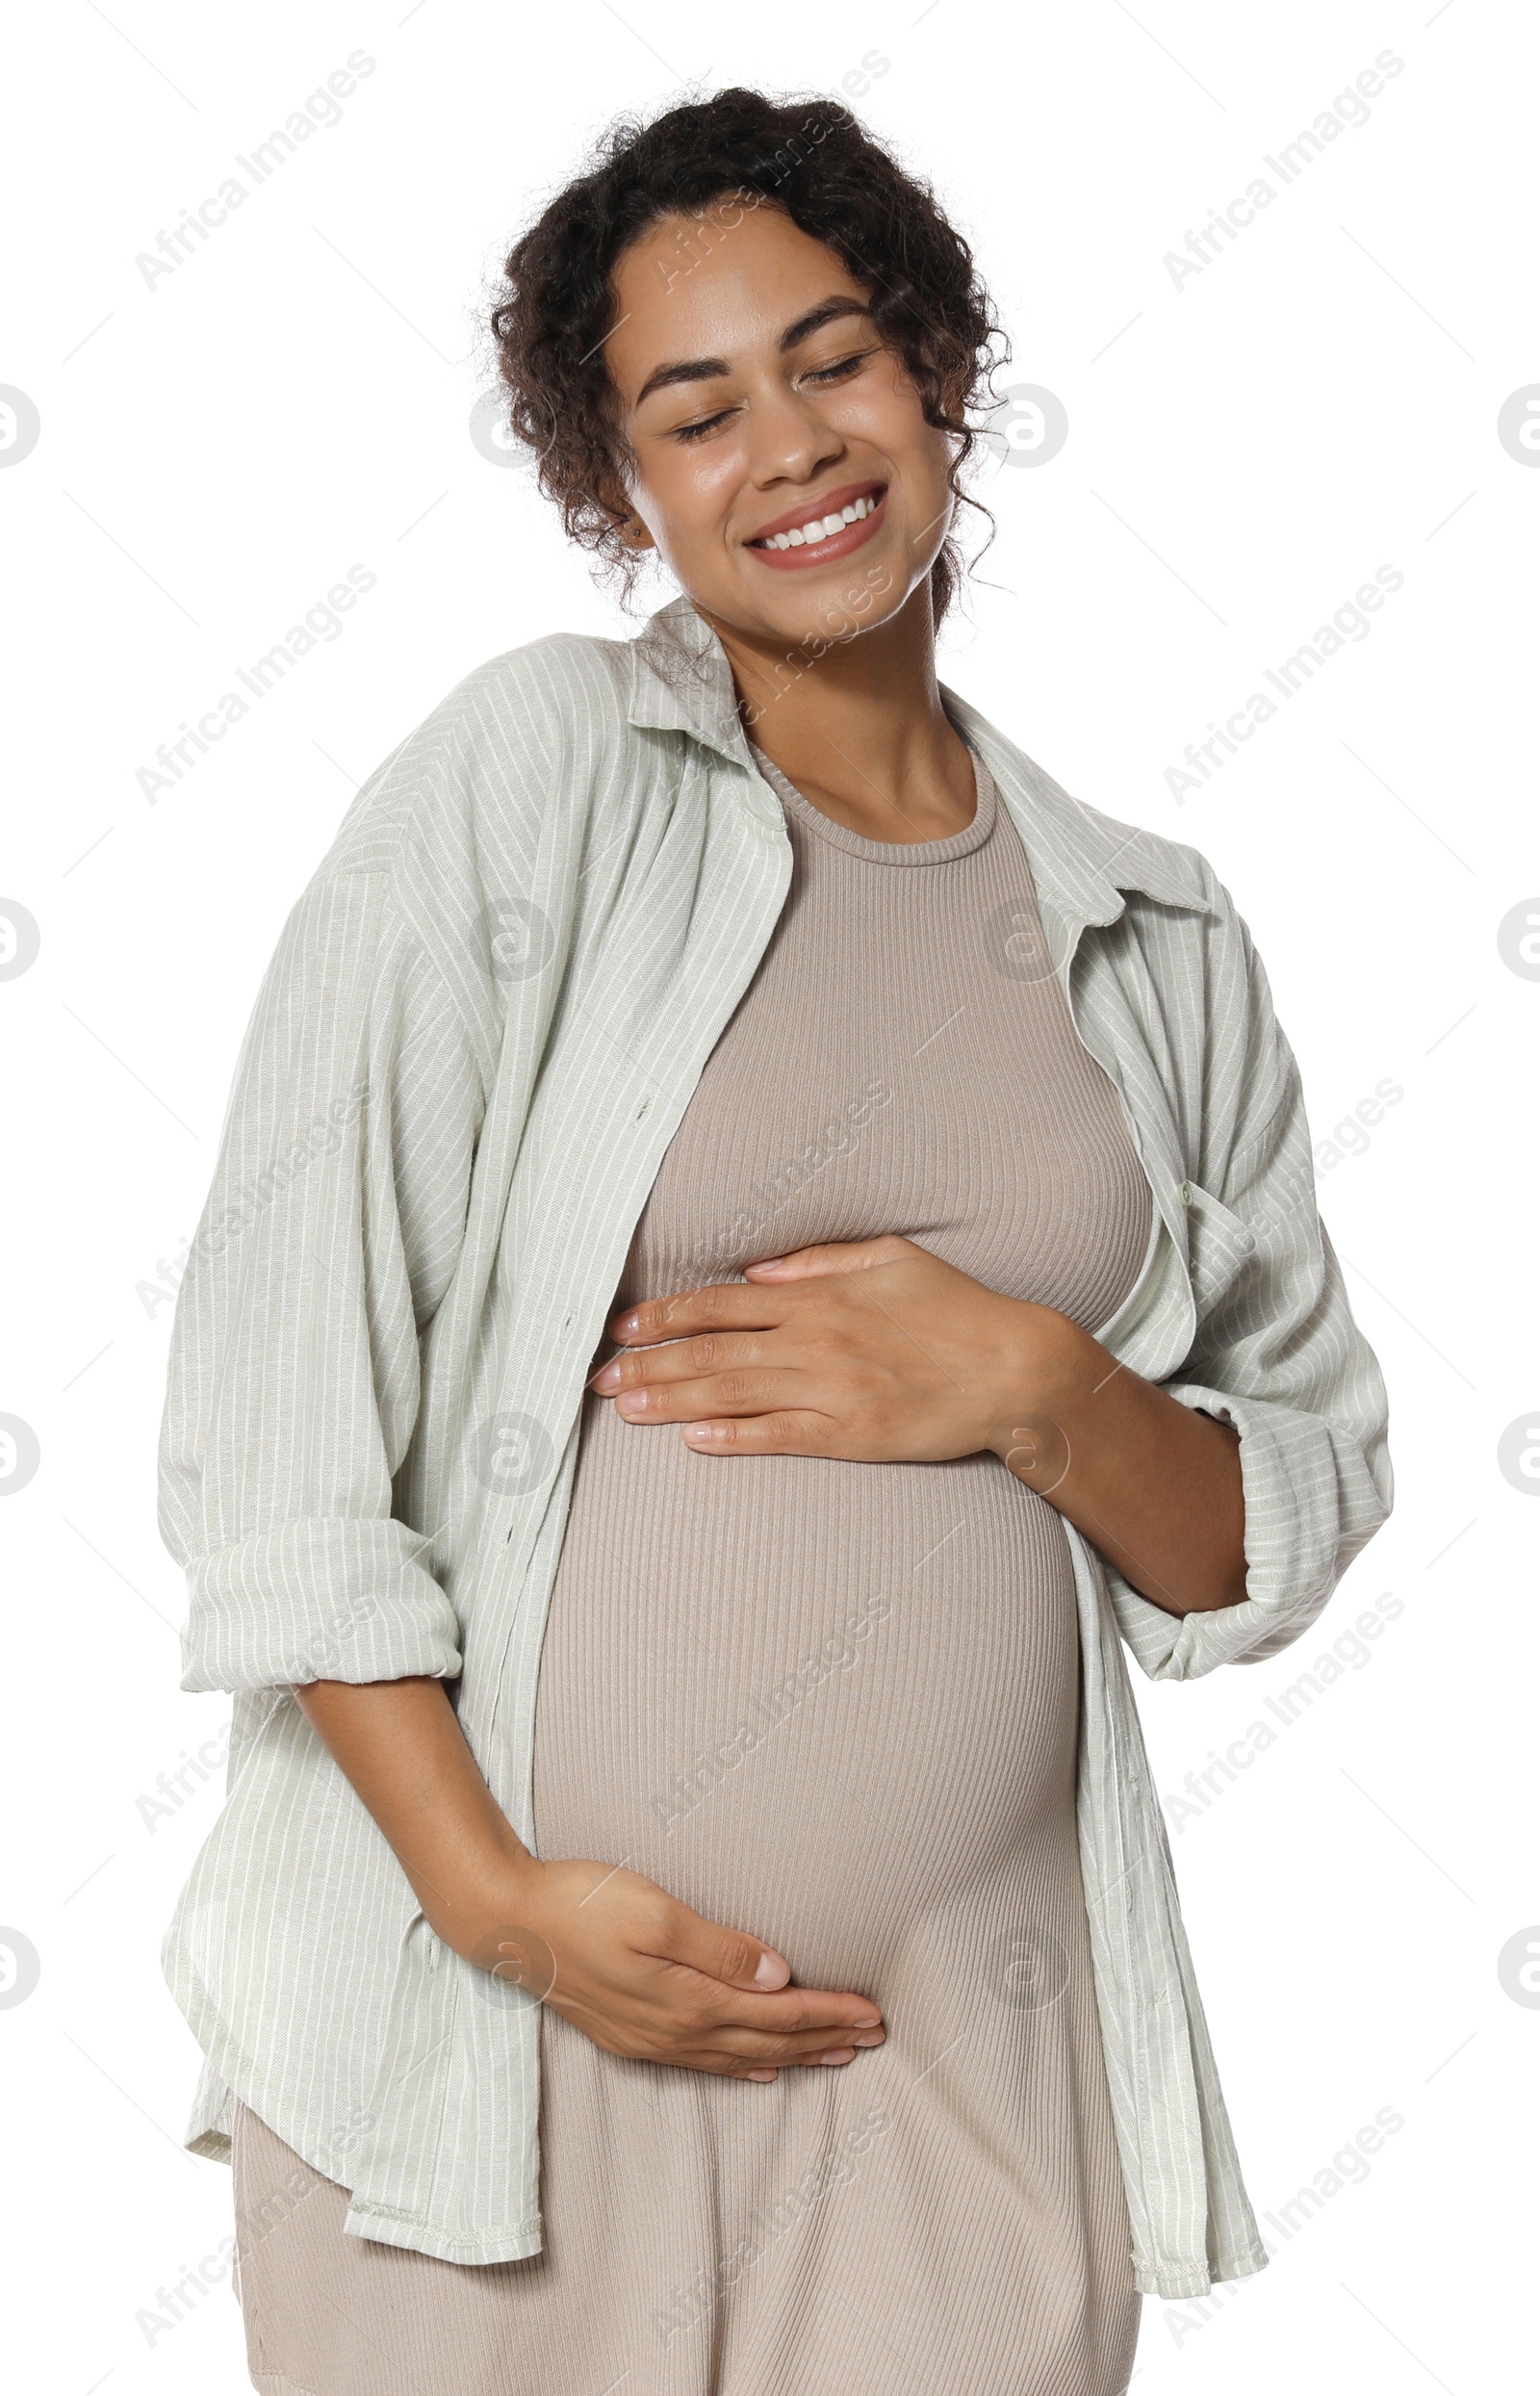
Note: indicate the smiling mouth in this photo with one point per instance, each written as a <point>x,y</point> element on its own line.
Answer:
<point>822,532</point>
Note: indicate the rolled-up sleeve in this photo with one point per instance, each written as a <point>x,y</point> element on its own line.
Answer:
<point>329,1237</point>
<point>1277,1355</point>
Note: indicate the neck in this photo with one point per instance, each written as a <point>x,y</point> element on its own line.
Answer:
<point>860,730</point>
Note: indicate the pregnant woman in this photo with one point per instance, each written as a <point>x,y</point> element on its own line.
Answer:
<point>755,1244</point>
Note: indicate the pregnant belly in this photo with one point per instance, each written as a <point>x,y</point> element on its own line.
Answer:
<point>833,1704</point>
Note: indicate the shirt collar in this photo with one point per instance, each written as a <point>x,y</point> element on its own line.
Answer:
<point>1081,860</point>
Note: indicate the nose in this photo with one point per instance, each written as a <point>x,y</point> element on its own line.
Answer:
<point>790,440</point>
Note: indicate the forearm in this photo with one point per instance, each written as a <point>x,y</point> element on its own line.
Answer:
<point>638,1971</point>
<point>1153,1483</point>
<point>400,1745</point>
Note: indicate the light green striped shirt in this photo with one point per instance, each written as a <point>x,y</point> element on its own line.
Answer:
<point>483,1023</point>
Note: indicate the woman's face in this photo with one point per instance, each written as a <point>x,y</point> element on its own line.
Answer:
<point>759,401</point>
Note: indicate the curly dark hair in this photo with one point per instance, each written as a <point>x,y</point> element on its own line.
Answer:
<point>811,158</point>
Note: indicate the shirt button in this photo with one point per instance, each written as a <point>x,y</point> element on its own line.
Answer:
<point>1184,1194</point>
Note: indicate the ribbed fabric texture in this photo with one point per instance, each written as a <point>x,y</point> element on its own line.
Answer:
<point>482,1028</point>
<point>836,1704</point>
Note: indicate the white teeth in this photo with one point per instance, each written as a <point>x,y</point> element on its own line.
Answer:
<point>821,526</point>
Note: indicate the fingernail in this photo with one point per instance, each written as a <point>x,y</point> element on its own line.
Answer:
<point>839,2054</point>
<point>609,1377</point>
<point>869,2038</point>
<point>868,2022</point>
<point>626,1326</point>
<point>767,1971</point>
<point>759,2075</point>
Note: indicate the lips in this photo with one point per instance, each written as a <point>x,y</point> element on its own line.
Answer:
<point>821,519</point>
<point>824,531</point>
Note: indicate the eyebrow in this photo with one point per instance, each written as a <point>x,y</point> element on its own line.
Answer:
<point>702,370</point>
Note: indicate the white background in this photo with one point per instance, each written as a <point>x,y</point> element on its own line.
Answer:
<point>1243,452</point>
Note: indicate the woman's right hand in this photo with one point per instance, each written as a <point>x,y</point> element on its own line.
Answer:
<point>643,1974</point>
<point>630,1966</point>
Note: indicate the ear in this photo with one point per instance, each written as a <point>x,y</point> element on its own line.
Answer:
<point>631,531</point>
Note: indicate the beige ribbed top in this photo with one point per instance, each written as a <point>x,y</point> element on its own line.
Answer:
<point>836,1704</point>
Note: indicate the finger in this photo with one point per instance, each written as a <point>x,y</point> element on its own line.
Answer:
<point>747,1985</point>
<point>694,2034</point>
<point>763,2066</point>
<point>742,2050</point>
<point>711,1351</point>
<point>805,2016</point>
<point>742,2046</point>
<point>726,2050</point>
<point>764,1392</point>
<point>805,1264</point>
<point>721,1305</point>
<point>724,2068</point>
<point>799,1432</point>
<point>735,2070</point>
<point>681,2030</point>
<point>735,1959</point>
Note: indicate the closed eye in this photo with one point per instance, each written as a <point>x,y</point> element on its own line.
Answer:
<point>693,432</point>
<point>841,367</point>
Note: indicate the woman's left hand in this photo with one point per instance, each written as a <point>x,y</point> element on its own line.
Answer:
<point>876,1352</point>
<point>873,1351</point>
